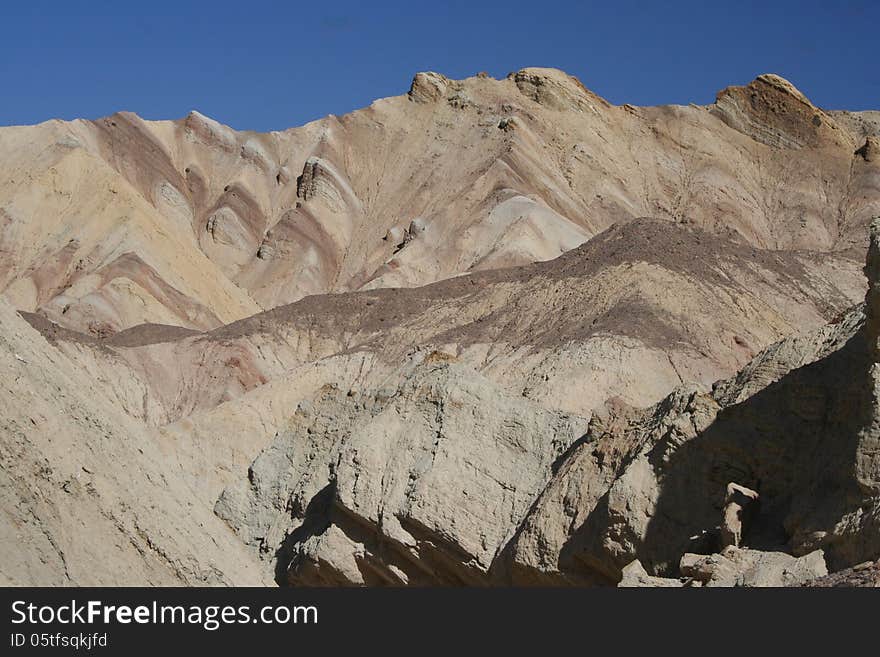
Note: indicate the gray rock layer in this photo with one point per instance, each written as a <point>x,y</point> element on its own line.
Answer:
<point>423,483</point>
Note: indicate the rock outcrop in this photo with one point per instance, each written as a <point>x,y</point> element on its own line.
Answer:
<point>750,568</point>
<point>428,87</point>
<point>496,332</point>
<point>556,90</point>
<point>806,440</point>
<point>86,493</point>
<point>870,150</point>
<point>393,486</point>
<point>773,111</point>
<point>423,484</point>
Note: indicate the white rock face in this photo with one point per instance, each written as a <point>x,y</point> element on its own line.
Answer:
<point>425,483</point>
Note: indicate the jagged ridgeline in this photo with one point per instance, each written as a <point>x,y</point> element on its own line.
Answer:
<point>486,332</point>
<point>113,223</point>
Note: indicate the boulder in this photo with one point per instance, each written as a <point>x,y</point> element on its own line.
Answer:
<point>752,568</point>
<point>870,151</point>
<point>635,575</point>
<point>428,87</point>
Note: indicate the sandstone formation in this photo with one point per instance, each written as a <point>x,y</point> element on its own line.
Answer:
<point>86,492</point>
<point>111,223</point>
<point>490,332</point>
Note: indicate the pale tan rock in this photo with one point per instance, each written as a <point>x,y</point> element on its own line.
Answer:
<point>429,479</point>
<point>428,87</point>
<point>870,150</point>
<point>753,568</point>
<point>371,429</point>
<point>123,221</point>
<point>88,496</point>
<point>670,481</point>
<point>771,110</point>
<point>634,575</point>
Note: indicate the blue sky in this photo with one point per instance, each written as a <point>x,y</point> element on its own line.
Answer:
<point>270,65</point>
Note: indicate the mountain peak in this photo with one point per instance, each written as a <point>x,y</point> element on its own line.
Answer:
<point>782,85</point>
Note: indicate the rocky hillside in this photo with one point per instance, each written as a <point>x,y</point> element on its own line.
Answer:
<point>489,332</point>
<point>444,479</point>
<point>108,224</point>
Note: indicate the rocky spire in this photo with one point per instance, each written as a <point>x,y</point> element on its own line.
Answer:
<point>872,297</point>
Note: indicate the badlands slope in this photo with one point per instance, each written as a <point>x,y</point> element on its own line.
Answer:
<point>113,223</point>
<point>457,337</point>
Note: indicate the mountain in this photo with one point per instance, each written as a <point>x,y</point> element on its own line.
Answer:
<point>487,332</point>
<point>113,223</point>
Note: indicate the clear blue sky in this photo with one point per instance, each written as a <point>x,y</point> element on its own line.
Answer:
<point>270,65</point>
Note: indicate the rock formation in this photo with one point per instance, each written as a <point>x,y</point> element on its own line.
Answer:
<point>422,484</point>
<point>490,332</point>
<point>649,485</point>
<point>123,221</point>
